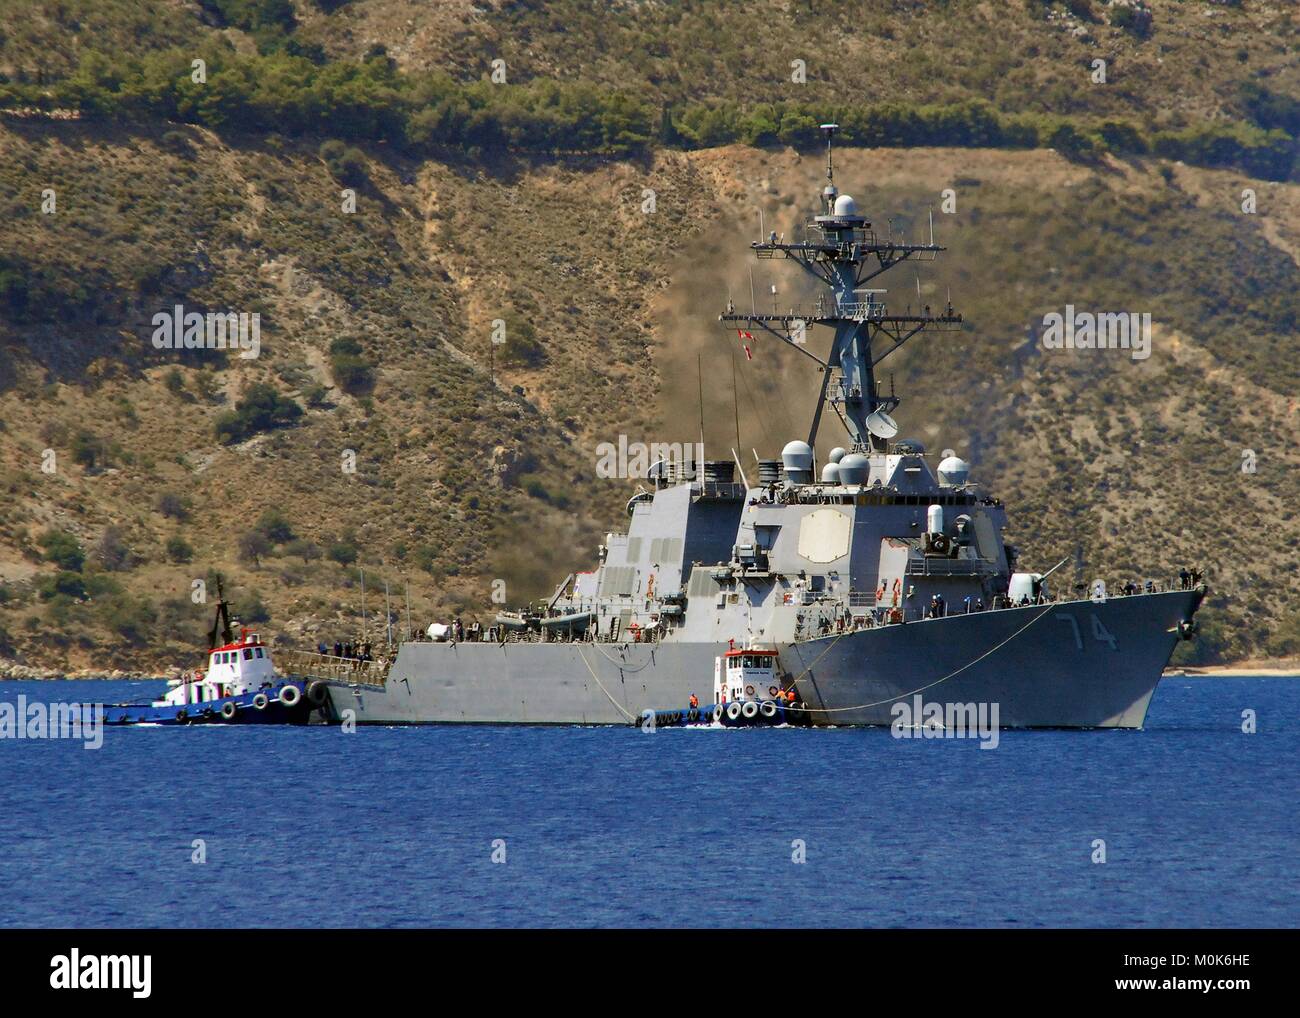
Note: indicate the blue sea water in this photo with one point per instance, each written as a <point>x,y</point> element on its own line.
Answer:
<point>314,827</point>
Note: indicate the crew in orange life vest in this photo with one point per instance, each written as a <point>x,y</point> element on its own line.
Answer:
<point>789,695</point>
<point>695,700</point>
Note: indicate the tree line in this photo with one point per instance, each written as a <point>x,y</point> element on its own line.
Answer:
<point>369,100</point>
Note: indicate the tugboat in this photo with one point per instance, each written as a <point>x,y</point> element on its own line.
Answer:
<point>748,691</point>
<point>239,686</point>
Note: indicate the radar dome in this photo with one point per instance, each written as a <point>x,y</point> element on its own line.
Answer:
<point>846,206</point>
<point>836,455</point>
<point>854,469</point>
<point>953,470</point>
<point>797,455</point>
<point>831,473</point>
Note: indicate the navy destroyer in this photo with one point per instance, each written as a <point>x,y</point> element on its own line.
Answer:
<point>875,577</point>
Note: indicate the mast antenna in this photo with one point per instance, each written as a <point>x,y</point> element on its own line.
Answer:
<point>735,397</point>
<point>830,193</point>
<point>699,373</point>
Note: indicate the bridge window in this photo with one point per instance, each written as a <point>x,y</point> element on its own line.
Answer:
<point>248,655</point>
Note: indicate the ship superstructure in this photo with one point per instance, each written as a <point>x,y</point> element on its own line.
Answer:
<point>875,576</point>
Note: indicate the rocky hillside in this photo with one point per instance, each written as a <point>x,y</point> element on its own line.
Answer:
<point>380,432</point>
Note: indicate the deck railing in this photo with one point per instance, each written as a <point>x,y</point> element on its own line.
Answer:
<point>310,665</point>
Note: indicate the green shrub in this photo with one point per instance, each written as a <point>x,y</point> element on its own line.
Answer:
<point>1285,640</point>
<point>308,551</point>
<point>254,546</point>
<point>345,164</point>
<point>1122,138</point>
<point>521,344</point>
<point>172,505</point>
<point>174,381</point>
<point>99,584</point>
<point>316,395</point>
<point>63,550</point>
<point>129,617</point>
<point>262,408</point>
<point>69,584</point>
<point>178,549</point>
<point>275,526</point>
<point>89,450</point>
<point>177,142</point>
<point>342,551</point>
<point>253,612</point>
<point>351,372</point>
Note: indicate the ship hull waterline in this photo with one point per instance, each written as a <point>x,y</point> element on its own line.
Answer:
<point>1077,664</point>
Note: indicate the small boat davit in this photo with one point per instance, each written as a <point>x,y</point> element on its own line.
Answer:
<point>748,691</point>
<point>239,686</point>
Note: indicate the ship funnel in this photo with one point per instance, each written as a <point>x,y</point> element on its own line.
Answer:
<point>719,471</point>
<point>769,472</point>
<point>797,458</point>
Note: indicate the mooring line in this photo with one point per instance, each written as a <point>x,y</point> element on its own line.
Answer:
<point>622,710</point>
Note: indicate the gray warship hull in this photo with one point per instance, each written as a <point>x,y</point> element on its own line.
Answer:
<point>868,572</point>
<point>1076,664</point>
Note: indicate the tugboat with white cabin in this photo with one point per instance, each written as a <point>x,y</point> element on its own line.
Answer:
<point>749,689</point>
<point>238,686</point>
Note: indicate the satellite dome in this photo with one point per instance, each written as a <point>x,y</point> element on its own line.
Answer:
<point>797,455</point>
<point>854,469</point>
<point>831,474</point>
<point>845,206</point>
<point>953,470</point>
<point>836,455</point>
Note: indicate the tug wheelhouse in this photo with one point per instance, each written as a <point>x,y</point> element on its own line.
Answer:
<point>745,674</point>
<point>233,669</point>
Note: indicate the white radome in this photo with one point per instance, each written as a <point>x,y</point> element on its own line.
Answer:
<point>953,470</point>
<point>797,455</point>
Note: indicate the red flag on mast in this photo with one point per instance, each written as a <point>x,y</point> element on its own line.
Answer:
<point>743,337</point>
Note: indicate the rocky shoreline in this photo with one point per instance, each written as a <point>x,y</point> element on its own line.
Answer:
<point>12,670</point>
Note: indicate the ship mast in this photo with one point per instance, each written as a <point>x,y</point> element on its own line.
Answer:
<point>222,629</point>
<point>842,251</point>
